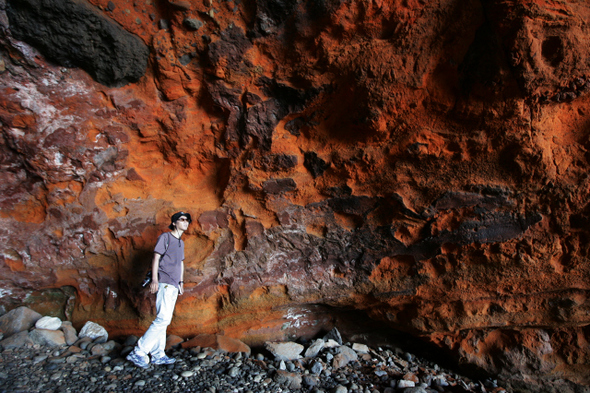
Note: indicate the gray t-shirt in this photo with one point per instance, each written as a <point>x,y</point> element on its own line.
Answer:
<point>171,258</point>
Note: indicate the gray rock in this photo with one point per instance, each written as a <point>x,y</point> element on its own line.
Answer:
<point>334,334</point>
<point>233,372</point>
<point>48,323</point>
<point>83,343</point>
<point>311,380</point>
<point>417,389</point>
<point>317,368</point>
<point>130,341</point>
<point>17,340</point>
<point>345,355</point>
<point>93,331</point>
<point>40,358</point>
<point>17,320</point>
<point>98,350</point>
<point>163,24</point>
<point>284,351</point>
<point>340,389</point>
<point>360,348</point>
<point>402,383</point>
<point>51,338</point>
<point>315,348</point>
<point>192,23</point>
<point>69,332</point>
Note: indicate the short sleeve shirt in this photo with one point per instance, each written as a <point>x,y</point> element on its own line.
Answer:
<point>171,250</point>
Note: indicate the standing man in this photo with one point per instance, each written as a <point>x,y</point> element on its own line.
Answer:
<point>167,282</point>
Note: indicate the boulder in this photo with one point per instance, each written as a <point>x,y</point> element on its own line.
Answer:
<point>344,356</point>
<point>93,331</point>
<point>17,320</point>
<point>69,332</point>
<point>284,351</point>
<point>50,338</point>
<point>49,323</point>
<point>17,340</point>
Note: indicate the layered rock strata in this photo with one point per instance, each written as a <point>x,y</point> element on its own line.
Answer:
<point>423,162</point>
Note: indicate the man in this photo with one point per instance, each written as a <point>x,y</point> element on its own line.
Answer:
<point>167,282</point>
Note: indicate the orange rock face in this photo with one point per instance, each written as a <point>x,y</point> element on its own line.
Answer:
<point>423,162</point>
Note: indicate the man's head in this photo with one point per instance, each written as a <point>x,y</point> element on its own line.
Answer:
<point>180,216</point>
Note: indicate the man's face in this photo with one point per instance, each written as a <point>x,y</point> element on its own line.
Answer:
<point>182,223</point>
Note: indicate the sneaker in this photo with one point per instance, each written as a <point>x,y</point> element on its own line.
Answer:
<point>138,360</point>
<point>163,360</point>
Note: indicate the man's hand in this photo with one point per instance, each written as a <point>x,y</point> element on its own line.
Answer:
<point>154,286</point>
<point>181,288</point>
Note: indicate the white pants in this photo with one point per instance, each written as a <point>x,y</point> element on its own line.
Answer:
<point>154,340</point>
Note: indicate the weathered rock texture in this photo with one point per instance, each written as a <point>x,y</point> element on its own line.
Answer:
<point>425,162</point>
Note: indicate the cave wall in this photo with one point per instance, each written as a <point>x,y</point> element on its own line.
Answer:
<point>422,161</point>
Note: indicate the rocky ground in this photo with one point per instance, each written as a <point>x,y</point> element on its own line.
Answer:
<point>74,368</point>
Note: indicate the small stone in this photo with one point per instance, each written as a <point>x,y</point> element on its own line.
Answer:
<point>233,372</point>
<point>290,380</point>
<point>187,374</point>
<point>39,359</point>
<point>402,383</point>
<point>141,382</point>
<point>341,389</point>
<point>311,380</point>
<point>163,24</point>
<point>98,350</point>
<point>192,23</point>
<point>317,368</point>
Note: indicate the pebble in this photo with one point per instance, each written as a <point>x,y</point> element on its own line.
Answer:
<point>42,369</point>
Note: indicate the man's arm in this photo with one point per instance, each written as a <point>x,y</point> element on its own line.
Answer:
<point>155,267</point>
<point>181,284</point>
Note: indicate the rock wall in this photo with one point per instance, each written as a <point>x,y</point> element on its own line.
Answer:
<point>422,162</point>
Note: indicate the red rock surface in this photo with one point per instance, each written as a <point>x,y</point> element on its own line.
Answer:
<point>425,162</point>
